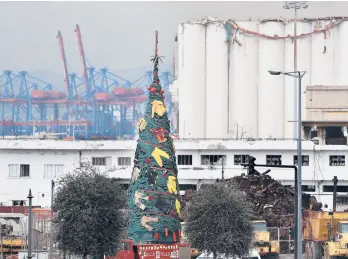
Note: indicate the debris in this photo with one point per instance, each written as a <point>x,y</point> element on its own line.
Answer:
<point>272,201</point>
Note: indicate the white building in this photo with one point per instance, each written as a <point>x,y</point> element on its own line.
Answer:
<point>223,88</point>
<point>33,164</point>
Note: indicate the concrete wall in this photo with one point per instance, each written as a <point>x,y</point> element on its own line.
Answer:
<point>327,103</point>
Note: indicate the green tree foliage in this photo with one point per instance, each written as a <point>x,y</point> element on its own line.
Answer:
<point>89,220</point>
<point>219,220</point>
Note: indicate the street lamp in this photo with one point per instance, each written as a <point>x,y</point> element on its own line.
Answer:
<point>30,223</point>
<point>296,5</point>
<point>298,184</point>
<point>51,225</point>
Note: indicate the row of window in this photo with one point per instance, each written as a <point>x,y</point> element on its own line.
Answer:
<point>341,199</point>
<point>23,170</point>
<point>52,170</point>
<point>339,160</point>
<point>326,188</point>
<point>55,170</point>
<point>103,161</point>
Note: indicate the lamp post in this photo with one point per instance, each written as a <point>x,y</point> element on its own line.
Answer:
<point>30,223</point>
<point>296,5</point>
<point>298,184</point>
<point>51,226</point>
<point>2,233</point>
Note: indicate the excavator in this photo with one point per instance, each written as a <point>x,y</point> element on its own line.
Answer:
<point>267,249</point>
<point>325,234</point>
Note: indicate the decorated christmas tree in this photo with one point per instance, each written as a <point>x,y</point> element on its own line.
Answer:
<point>153,194</point>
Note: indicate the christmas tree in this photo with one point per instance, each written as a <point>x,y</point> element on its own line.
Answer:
<point>153,194</point>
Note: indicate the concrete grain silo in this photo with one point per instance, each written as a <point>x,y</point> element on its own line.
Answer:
<point>270,88</point>
<point>216,109</point>
<point>223,86</point>
<point>243,82</point>
<point>192,84</point>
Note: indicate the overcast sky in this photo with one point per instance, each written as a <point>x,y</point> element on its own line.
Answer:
<point>116,34</point>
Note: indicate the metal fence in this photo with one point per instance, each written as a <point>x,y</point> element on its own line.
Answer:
<point>282,235</point>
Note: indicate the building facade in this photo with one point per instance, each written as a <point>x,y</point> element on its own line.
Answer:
<point>33,164</point>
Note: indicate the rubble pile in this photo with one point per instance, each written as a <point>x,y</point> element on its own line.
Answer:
<point>271,200</point>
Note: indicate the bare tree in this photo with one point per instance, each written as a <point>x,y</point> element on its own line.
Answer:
<point>219,220</point>
<point>239,132</point>
<point>89,218</point>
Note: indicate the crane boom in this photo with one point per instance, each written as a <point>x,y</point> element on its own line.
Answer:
<point>82,56</point>
<point>62,54</point>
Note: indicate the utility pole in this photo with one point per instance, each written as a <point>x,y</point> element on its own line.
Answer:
<point>298,183</point>
<point>1,239</point>
<point>295,5</point>
<point>335,181</point>
<point>222,167</point>
<point>30,222</point>
<point>51,227</point>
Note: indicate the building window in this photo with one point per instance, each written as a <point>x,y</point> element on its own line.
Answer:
<point>53,171</point>
<point>19,203</point>
<point>124,161</point>
<point>308,188</point>
<point>342,200</point>
<point>25,170</point>
<point>99,161</point>
<point>241,159</point>
<point>340,188</point>
<point>273,159</point>
<point>305,160</point>
<point>337,160</point>
<point>19,170</point>
<point>13,170</point>
<point>212,159</point>
<point>184,159</point>
<point>59,169</point>
<point>48,171</point>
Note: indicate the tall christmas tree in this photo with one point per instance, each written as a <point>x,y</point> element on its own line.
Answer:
<point>153,194</point>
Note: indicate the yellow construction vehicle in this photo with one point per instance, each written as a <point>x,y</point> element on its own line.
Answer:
<point>12,245</point>
<point>263,244</point>
<point>325,233</point>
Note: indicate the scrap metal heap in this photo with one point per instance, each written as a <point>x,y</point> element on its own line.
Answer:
<point>271,201</point>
